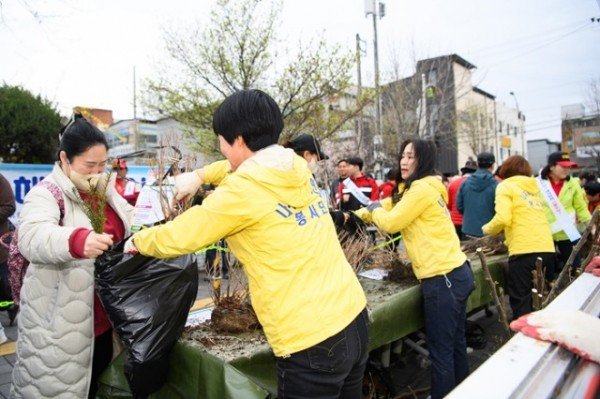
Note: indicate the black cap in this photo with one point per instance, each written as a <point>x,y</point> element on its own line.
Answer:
<point>306,142</point>
<point>592,188</point>
<point>485,159</point>
<point>562,159</point>
<point>470,167</point>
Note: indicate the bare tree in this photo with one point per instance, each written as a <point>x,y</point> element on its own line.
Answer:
<point>473,128</point>
<point>237,50</point>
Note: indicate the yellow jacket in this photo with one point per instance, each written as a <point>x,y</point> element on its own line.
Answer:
<point>520,213</point>
<point>573,199</point>
<point>427,230</point>
<point>302,288</point>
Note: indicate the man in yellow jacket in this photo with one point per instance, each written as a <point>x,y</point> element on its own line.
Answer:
<point>267,206</point>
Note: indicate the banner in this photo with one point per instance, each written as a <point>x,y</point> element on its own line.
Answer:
<point>22,177</point>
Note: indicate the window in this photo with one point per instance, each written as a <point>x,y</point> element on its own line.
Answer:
<point>432,77</point>
<point>590,135</point>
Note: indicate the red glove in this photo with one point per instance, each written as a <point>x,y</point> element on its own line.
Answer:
<point>594,266</point>
<point>129,247</point>
<point>577,331</point>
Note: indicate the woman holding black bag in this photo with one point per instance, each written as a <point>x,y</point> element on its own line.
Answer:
<point>65,338</point>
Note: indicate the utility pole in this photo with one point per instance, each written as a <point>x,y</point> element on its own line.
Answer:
<point>376,9</point>
<point>134,95</point>
<point>136,145</point>
<point>360,127</point>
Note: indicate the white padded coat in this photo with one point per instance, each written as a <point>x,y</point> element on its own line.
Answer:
<point>56,320</point>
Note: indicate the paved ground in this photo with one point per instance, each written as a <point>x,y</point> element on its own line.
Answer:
<point>410,372</point>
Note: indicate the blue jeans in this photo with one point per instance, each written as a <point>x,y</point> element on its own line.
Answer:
<point>445,305</point>
<point>333,368</point>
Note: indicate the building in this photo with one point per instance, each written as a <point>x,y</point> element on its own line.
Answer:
<point>538,151</point>
<point>131,135</point>
<point>510,132</point>
<point>101,118</point>
<point>440,102</point>
<point>581,135</point>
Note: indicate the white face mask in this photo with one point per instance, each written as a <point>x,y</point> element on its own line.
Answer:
<point>313,166</point>
<point>88,182</point>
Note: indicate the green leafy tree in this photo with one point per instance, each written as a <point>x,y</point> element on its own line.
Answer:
<point>29,127</point>
<point>238,50</point>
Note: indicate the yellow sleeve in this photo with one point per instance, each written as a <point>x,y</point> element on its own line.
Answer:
<point>503,209</point>
<point>215,172</point>
<point>365,215</point>
<point>223,213</point>
<point>412,204</point>
<point>580,205</point>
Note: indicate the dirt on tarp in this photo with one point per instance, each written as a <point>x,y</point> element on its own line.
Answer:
<point>231,346</point>
<point>225,346</point>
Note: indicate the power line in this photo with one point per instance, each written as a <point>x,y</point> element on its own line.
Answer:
<point>547,43</point>
<point>522,39</point>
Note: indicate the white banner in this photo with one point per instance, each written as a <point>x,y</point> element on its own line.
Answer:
<point>22,177</point>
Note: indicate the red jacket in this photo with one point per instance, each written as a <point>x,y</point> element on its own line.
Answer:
<point>366,184</point>
<point>455,215</point>
<point>386,189</point>
<point>128,189</point>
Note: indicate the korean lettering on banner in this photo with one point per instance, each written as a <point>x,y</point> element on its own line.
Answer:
<point>22,178</point>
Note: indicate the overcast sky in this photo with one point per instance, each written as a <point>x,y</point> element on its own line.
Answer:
<point>83,52</point>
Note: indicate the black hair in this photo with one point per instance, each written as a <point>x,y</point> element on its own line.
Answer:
<point>78,136</point>
<point>587,175</point>
<point>426,157</point>
<point>251,114</point>
<point>392,174</point>
<point>342,160</point>
<point>356,161</point>
<point>545,173</point>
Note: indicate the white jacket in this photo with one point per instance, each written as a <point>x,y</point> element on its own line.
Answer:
<point>56,320</point>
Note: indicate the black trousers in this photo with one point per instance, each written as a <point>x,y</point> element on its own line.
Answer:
<point>103,348</point>
<point>563,251</point>
<point>520,281</point>
<point>333,368</point>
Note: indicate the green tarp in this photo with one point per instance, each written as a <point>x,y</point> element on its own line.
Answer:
<point>395,311</point>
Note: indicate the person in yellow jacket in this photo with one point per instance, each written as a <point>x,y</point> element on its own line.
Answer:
<point>575,214</point>
<point>520,214</point>
<point>267,206</point>
<point>421,215</point>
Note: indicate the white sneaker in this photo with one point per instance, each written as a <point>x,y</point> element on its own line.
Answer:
<point>3,337</point>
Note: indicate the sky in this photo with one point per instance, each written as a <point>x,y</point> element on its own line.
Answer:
<point>83,52</point>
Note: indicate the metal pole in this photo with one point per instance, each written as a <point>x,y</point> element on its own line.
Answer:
<point>359,93</point>
<point>376,57</point>
<point>134,96</point>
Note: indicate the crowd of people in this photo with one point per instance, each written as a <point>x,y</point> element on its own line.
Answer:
<point>283,227</point>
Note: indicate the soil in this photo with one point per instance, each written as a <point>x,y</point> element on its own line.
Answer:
<point>232,316</point>
<point>401,272</point>
<point>225,346</point>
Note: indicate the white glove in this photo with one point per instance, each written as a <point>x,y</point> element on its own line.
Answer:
<point>577,331</point>
<point>187,184</point>
<point>129,247</point>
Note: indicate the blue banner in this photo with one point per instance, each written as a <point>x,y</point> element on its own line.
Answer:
<point>23,177</point>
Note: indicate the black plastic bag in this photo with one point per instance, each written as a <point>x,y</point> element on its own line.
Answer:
<point>147,301</point>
